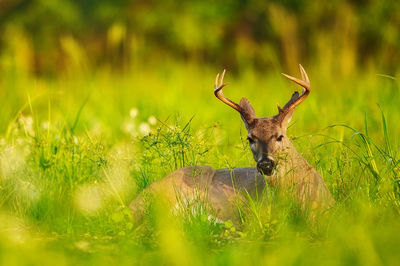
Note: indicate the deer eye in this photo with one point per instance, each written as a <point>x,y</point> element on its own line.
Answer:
<point>279,138</point>
<point>251,141</point>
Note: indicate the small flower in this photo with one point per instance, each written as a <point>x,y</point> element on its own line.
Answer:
<point>144,128</point>
<point>27,120</point>
<point>27,123</point>
<point>133,112</point>
<point>45,125</point>
<point>129,127</point>
<point>152,120</point>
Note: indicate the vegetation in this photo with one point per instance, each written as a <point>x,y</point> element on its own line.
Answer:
<point>99,99</point>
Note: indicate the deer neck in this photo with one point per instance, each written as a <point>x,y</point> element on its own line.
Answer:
<point>293,162</point>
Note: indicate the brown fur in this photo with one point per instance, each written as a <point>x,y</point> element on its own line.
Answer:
<point>221,188</point>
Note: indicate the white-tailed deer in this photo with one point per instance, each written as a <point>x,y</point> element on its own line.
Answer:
<point>277,160</point>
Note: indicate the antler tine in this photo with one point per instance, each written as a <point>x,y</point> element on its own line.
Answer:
<point>305,83</point>
<point>218,92</point>
<point>222,77</point>
<point>216,81</point>
<point>304,74</point>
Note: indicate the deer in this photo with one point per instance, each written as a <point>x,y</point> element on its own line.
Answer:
<point>278,165</point>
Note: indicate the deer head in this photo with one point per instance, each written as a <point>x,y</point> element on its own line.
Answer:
<point>266,135</point>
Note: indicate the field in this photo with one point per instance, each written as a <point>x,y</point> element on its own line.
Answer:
<point>75,151</point>
<point>80,139</point>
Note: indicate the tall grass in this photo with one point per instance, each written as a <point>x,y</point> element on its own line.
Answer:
<point>75,151</point>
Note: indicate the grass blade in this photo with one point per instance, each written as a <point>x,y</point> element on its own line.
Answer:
<point>385,133</point>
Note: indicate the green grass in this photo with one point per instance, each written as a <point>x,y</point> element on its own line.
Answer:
<point>74,151</point>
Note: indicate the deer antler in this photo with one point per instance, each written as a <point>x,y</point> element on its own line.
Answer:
<point>296,99</point>
<point>218,92</point>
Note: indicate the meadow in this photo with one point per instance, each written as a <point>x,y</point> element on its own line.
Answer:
<point>113,95</point>
<point>76,150</point>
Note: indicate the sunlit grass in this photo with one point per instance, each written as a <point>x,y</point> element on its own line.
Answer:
<point>76,150</point>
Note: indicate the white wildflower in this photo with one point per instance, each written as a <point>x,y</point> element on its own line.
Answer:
<point>27,123</point>
<point>133,112</point>
<point>152,120</point>
<point>144,128</point>
<point>128,127</point>
<point>45,125</point>
<point>27,120</point>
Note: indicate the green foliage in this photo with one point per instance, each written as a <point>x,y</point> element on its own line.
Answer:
<point>50,37</point>
<point>99,99</point>
<point>169,148</point>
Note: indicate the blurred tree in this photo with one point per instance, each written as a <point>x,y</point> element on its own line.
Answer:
<point>236,33</point>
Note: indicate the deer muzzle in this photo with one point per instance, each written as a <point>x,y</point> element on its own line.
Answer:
<point>266,165</point>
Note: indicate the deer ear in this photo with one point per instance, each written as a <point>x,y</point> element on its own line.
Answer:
<point>286,117</point>
<point>247,113</point>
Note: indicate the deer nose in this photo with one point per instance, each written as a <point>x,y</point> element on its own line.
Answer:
<point>266,165</point>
